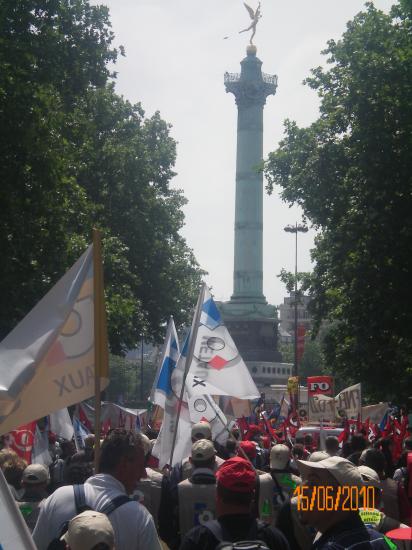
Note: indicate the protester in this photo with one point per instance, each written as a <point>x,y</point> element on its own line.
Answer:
<point>180,472</point>
<point>395,501</point>
<point>34,482</point>
<point>148,488</point>
<point>193,497</point>
<point>121,465</point>
<point>358,444</point>
<point>369,510</point>
<point>337,527</point>
<point>236,482</point>
<point>89,530</point>
<point>284,480</point>
<point>13,469</point>
<point>332,445</point>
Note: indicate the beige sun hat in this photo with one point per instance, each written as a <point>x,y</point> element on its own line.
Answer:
<point>318,456</point>
<point>89,529</point>
<point>369,476</point>
<point>340,468</point>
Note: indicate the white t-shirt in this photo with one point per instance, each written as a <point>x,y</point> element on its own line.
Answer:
<point>132,524</point>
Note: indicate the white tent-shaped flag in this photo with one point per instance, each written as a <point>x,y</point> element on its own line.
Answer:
<point>216,367</point>
<point>48,361</point>
<point>162,386</point>
<point>182,442</point>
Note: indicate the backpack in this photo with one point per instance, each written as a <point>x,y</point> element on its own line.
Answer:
<point>81,506</point>
<point>252,544</point>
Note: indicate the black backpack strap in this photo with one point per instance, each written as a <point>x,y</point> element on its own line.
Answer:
<point>113,504</point>
<point>279,488</point>
<point>80,499</point>
<point>221,535</point>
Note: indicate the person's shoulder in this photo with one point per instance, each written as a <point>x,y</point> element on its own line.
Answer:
<point>198,537</point>
<point>275,536</point>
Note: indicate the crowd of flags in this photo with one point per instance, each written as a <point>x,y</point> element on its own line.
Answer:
<point>59,350</point>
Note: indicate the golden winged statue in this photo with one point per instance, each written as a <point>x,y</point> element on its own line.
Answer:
<point>255,16</point>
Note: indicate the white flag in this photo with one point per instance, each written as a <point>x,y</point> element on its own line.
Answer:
<point>48,361</point>
<point>204,407</point>
<point>164,443</point>
<point>216,367</point>
<point>61,424</point>
<point>40,453</point>
<point>162,385</point>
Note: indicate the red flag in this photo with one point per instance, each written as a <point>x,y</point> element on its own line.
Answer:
<point>243,426</point>
<point>22,439</point>
<point>301,342</point>
<point>345,434</point>
<point>84,419</point>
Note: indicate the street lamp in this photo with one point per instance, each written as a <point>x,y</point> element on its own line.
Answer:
<point>296,229</point>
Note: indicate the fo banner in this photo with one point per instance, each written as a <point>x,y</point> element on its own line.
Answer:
<point>320,385</point>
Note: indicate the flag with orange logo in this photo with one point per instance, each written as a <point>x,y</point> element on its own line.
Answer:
<point>49,360</point>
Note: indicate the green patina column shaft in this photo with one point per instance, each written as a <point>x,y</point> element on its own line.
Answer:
<point>250,89</point>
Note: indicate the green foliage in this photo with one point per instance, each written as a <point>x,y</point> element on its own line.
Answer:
<point>76,155</point>
<point>125,381</point>
<point>351,173</point>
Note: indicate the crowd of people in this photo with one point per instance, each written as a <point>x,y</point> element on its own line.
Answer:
<point>250,491</point>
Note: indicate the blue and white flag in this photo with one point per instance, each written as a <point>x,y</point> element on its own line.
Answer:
<point>80,434</point>
<point>162,386</point>
<point>164,443</point>
<point>216,367</point>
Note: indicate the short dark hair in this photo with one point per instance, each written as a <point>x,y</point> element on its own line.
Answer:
<point>358,442</point>
<point>332,443</point>
<point>375,459</point>
<point>230,497</point>
<point>204,463</point>
<point>298,450</point>
<point>119,443</point>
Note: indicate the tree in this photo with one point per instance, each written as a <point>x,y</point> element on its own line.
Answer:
<point>76,155</point>
<point>351,173</point>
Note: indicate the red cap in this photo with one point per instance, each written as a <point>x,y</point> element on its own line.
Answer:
<point>249,448</point>
<point>266,442</point>
<point>237,475</point>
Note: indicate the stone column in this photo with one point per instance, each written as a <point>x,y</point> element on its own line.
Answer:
<point>250,89</point>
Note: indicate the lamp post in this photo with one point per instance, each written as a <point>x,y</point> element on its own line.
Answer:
<point>296,229</point>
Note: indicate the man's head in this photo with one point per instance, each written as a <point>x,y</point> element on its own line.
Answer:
<point>201,430</point>
<point>122,456</point>
<point>236,484</point>
<point>35,476</point>
<point>279,457</point>
<point>358,443</point>
<point>330,474</point>
<point>89,531</point>
<point>375,459</point>
<point>203,454</point>
<point>332,445</point>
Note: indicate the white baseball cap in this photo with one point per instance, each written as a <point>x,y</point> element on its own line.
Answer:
<point>89,529</point>
<point>279,457</point>
<point>340,468</point>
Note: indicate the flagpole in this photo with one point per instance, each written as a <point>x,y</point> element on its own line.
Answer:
<point>101,359</point>
<point>189,357</point>
<point>226,427</point>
